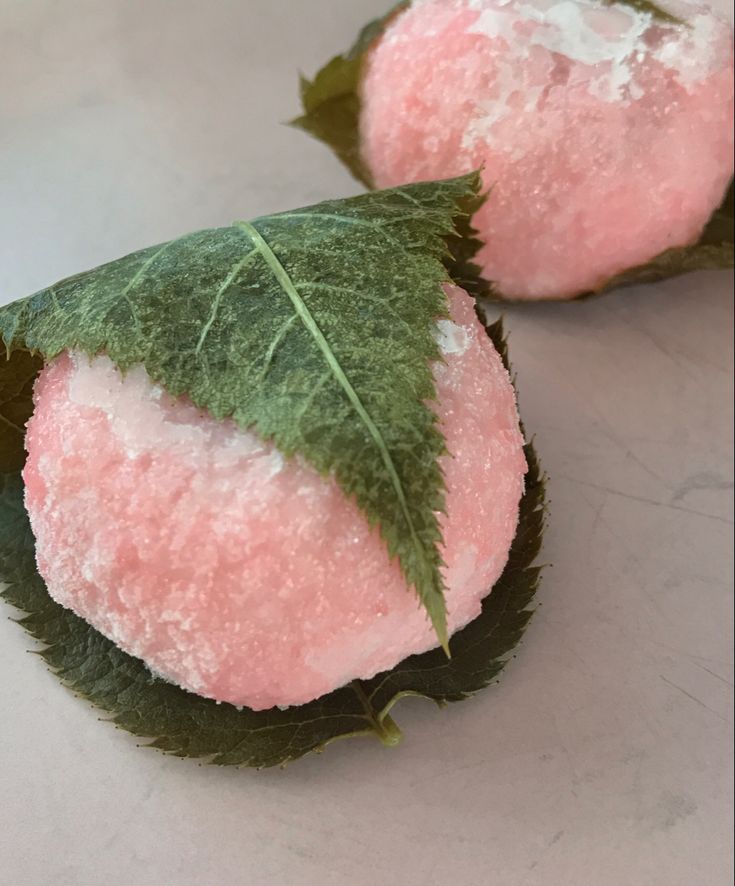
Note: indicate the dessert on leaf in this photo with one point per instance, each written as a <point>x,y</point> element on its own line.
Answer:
<point>258,482</point>
<point>604,129</point>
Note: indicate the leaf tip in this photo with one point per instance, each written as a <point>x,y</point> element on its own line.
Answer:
<point>438,615</point>
<point>444,640</point>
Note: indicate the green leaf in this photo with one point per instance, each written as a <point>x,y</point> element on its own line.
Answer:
<point>652,9</point>
<point>180,723</point>
<point>18,371</point>
<point>312,327</point>
<point>463,247</point>
<point>331,103</point>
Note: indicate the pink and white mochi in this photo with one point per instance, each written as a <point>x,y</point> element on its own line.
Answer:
<point>605,133</point>
<point>234,572</point>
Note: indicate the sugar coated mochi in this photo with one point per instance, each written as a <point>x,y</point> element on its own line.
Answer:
<point>238,574</point>
<point>606,135</point>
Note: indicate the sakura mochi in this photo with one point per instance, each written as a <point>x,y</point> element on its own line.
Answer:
<point>605,130</point>
<point>237,573</point>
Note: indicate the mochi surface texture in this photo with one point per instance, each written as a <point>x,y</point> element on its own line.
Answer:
<point>238,574</point>
<point>606,135</point>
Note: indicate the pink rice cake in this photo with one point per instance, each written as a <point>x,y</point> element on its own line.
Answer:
<point>233,572</point>
<point>606,135</point>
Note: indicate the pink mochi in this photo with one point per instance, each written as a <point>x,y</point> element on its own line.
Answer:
<point>238,574</point>
<point>606,135</point>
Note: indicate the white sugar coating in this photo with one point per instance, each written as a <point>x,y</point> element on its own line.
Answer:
<point>606,135</point>
<point>239,574</point>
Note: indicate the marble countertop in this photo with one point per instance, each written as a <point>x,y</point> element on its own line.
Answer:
<point>603,756</point>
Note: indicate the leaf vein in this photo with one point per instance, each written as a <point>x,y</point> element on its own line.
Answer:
<point>138,276</point>
<point>306,317</point>
<point>227,282</point>
<point>367,296</point>
<point>273,347</point>
<point>11,424</point>
<point>357,222</point>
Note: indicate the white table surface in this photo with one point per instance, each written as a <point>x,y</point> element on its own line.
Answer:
<point>602,758</point>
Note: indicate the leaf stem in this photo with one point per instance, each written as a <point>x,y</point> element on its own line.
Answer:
<point>384,726</point>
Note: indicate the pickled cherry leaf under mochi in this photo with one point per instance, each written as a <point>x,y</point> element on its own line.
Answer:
<point>331,101</point>
<point>17,375</point>
<point>180,723</point>
<point>331,105</point>
<point>313,328</point>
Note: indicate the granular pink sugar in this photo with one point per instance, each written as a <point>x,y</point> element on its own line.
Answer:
<point>236,573</point>
<point>606,135</point>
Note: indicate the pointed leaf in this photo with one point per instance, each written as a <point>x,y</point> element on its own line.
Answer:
<point>331,101</point>
<point>312,327</point>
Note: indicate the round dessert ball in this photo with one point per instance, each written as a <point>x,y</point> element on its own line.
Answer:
<point>234,572</point>
<point>606,134</point>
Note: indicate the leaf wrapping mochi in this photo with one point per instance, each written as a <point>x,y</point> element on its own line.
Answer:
<point>270,470</point>
<point>605,130</point>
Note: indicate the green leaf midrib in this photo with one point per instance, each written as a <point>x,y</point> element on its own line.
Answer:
<point>430,594</point>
